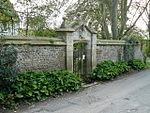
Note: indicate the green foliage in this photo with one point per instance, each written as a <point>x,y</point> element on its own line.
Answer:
<point>148,63</point>
<point>129,47</point>
<point>39,33</point>
<point>147,51</point>
<point>34,86</point>
<point>1,96</point>
<point>38,85</point>
<point>8,70</point>
<point>137,34</point>
<point>7,100</point>
<point>36,22</point>
<point>7,15</point>
<point>7,9</point>
<point>108,70</point>
<point>51,41</point>
<point>45,33</point>
<point>146,47</point>
<point>8,75</point>
<point>132,40</point>
<point>136,64</point>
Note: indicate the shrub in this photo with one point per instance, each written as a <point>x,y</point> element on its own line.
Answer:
<point>136,64</point>
<point>7,100</point>
<point>37,85</point>
<point>108,70</point>
<point>129,48</point>
<point>146,50</point>
<point>45,33</point>
<point>1,96</point>
<point>39,33</point>
<point>8,70</point>
<point>122,67</point>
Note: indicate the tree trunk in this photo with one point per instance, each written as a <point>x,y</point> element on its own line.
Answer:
<point>149,29</point>
<point>124,9</point>
<point>114,18</point>
<point>27,26</point>
<point>105,31</point>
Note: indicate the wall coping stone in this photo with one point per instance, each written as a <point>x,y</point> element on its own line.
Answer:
<point>33,41</point>
<point>16,40</point>
<point>80,41</point>
<point>65,30</point>
<point>30,38</point>
<point>50,44</point>
<point>111,42</point>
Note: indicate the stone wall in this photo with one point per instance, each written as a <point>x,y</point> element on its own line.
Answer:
<point>138,53</point>
<point>109,52</point>
<point>37,54</point>
<point>114,50</point>
<point>38,58</point>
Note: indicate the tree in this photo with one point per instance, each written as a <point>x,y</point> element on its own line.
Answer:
<point>90,12</point>
<point>146,19</point>
<point>42,14</point>
<point>7,14</point>
<point>140,8</point>
<point>105,14</point>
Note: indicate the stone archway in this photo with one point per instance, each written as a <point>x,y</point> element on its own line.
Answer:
<point>80,34</point>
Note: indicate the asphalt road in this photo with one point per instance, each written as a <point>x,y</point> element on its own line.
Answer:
<point>128,95</point>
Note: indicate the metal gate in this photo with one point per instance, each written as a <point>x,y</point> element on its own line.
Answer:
<point>79,59</point>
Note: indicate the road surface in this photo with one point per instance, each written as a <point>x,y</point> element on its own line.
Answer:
<point>127,95</point>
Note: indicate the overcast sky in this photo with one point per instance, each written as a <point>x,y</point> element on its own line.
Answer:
<point>56,21</point>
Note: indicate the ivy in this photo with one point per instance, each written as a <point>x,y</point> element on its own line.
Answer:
<point>129,48</point>
<point>8,69</point>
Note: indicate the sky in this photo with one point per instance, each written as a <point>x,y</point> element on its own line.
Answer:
<point>140,23</point>
<point>56,21</point>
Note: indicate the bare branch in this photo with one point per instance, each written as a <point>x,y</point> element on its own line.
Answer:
<point>137,19</point>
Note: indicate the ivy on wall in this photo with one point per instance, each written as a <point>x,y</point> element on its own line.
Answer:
<point>129,47</point>
<point>8,70</point>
